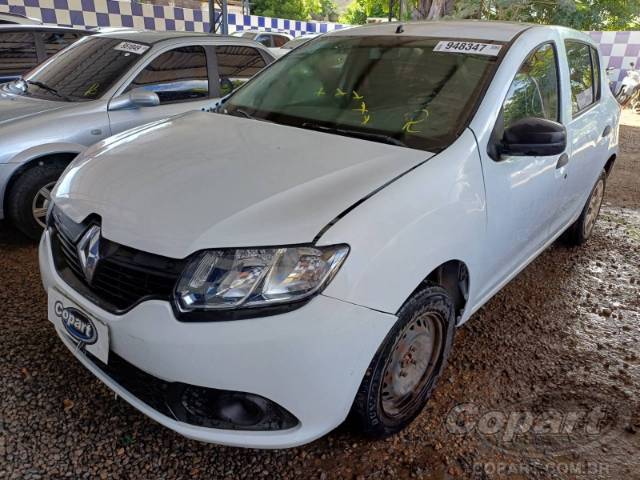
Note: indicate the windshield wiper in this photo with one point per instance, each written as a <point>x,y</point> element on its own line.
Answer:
<point>46,87</point>
<point>377,137</point>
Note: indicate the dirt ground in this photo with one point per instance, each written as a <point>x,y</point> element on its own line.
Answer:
<point>543,382</point>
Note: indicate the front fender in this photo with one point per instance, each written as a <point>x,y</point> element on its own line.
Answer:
<point>45,150</point>
<point>431,215</point>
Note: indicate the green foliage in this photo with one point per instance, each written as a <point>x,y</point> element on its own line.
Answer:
<point>359,10</point>
<point>578,14</point>
<point>291,9</point>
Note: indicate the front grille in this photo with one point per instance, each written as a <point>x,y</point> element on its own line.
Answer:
<point>200,406</point>
<point>124,276</point>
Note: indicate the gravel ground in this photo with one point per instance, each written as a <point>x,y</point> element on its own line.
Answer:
<point>543,382</point>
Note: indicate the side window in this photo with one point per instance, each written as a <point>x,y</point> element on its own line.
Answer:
<point>17,53</point>
<point>264,40</point>
<point>236,65</point>
<point>56,41</point>
<point>595,61</point>
<point>534,90</point>
<point>583,92</point>
<point>176,76</point>
<point>279,40</point>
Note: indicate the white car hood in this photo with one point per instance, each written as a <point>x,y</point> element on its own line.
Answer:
<point>204,180</point>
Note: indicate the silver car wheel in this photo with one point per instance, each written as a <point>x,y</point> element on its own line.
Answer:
<point>412,363</point>
<point>594,208</point>
<point>40,204</point>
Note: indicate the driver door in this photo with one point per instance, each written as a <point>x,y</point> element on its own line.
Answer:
<point>183,80</point>
<point>523,191</point>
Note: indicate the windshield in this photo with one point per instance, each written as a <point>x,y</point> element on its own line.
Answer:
<point>84,71</point>
<point>393,89</point>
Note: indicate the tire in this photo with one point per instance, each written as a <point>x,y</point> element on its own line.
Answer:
<point>580,231</point>
<point>385,403</point>
<point>25,191</point>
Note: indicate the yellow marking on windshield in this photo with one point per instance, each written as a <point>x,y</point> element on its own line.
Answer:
<point>408,126</point>
<point>340,93</point>
<point>356,96</point>
<point>92,90</point>
<point>365,119</point>
<point>363,108</point>
<point>320,92</point>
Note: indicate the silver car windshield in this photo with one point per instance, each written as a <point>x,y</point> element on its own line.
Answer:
<point>84,71</point>
<point>392,89</point>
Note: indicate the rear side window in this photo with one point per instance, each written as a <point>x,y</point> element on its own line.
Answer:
<point>176,76</point>
<point>17,53</point>
<point>534,90</point>
<point>279,40</point>
<point>236,65</point>
<point>56,41</point>
<point>265,40</point>
<point>584,84</point>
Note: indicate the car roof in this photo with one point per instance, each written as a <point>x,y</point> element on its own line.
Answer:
<point>464,29</point>
<point>153,36</point>
<point>41,28</point>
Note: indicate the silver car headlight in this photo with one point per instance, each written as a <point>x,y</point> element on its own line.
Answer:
<point>247,278</point>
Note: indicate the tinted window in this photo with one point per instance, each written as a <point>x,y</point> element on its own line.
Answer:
<point>595,61</point>
<point>385,88</point>
<point>83,72</point>
<point>279,40</point>
<point>265,40</point>
<point>17,53</point>
<point>176,76</point>
<point>534,90</point>
<point>581,75</point>
<point>56,41</point>
<point>236,65</point>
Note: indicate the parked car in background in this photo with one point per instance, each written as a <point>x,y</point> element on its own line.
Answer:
<point>270,40</point>
<point>22,47</point>
<point>251,277</point>
<point>98,87</point>
<point>17,19</point>
<point>291,44</point>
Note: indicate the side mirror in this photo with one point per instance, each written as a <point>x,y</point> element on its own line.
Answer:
<point>534,137</point>
<point>136,98</point>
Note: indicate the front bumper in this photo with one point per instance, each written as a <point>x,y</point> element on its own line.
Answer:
<point>309,361</point>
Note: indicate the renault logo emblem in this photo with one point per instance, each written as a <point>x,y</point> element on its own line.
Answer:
<point>89,252</point>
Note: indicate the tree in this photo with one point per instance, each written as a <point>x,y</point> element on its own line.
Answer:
<point>291,9</point>
<point>359,10</point>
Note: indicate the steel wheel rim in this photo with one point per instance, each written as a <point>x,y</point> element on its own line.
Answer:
<point>40,204</point>
<point>594,208</point>
<point>411,364</point>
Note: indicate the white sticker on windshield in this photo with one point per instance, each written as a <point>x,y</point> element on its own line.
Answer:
<point>474,48</point>
<point>132,47</point>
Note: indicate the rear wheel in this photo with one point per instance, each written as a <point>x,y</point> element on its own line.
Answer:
<point>581,230</point>
<point>404,371</point>
<point>29,197</point>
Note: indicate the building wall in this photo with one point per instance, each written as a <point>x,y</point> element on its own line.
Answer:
<point>112,13</point>
<point>618,48</point>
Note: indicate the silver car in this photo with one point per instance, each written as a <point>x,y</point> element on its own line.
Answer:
<point>98,87</point>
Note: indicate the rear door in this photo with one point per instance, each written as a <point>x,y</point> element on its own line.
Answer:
<point>236,64</point>
<point>589,128</point>
<point>184,78</point>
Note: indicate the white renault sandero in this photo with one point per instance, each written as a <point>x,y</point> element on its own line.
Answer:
<point>252,276</point>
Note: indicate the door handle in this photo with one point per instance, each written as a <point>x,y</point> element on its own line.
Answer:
<point>562,161</point>
<point>607,131</point>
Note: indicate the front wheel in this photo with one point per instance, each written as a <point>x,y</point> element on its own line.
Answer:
<point>404,371</point>
<point>581,230</point>
<point>29,197</point>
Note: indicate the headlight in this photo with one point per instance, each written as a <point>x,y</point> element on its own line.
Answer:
<point>246,278</point>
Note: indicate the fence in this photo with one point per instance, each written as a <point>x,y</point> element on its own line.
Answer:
<point>619,49</point>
